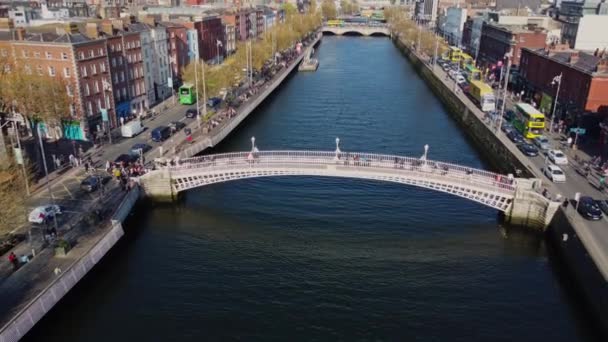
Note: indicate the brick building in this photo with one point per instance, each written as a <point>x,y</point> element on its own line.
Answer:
<point>242,23</point>
<point>584,86</point>
<point>496,41</point>
<point>80,62</point>
<point>209,30</point>
<point>177,44</point>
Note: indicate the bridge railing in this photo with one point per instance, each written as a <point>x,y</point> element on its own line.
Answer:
<point>446,170</point>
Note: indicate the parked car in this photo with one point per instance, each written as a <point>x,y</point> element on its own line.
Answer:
<point>160,133</point>
<point>528,149</point>
<point>554,173</point>
<point>557,157</point>
<point>176,125</point>
<point>139,147</point>
<point>542,142</point>
<point>588,208</point>
<point>43,212</point>
<point>603,204</point>
<point>464,86</point>
<point>509,115</point>
<point>516,137</point>
<point>90,184</point>
<point>126,159</point>
<point>460,79</point>
<point>214,102</point>
<point>191,113</point>
<point>507,127</point>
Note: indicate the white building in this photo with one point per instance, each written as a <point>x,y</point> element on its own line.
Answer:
<point>427,11</point>
<point>454,22</point>
<point>592,33</point>
<point>230,34</point>
<point>161,67</point>
<point>192,37</point>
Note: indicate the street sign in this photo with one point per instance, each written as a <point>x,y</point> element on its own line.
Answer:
<point>578,130</point>
<point>104,115</point>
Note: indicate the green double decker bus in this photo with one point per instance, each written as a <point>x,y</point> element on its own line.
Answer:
<point>187,94</point>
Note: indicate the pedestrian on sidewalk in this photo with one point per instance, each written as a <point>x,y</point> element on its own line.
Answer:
<point>86,167</point>
<point>12,258</point>
<point>569,141</point>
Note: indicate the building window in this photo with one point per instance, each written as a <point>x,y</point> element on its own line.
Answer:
<point>39,69</point>
<point>93,69</point>
<point>72,110</point>
<point>66,72</point>
<point>24,53</point>
<point>96,87</point>
<point>124,93</point>
<point>101,52</point>
<point>87,91</point>
<point>81,54</point>
<point>139,56</point>
<point>91,53</point>
<point>129,58</point>
<point>102,67</point>
<point>113,62</point>
<point>84,71</point>
<point>137,89</point>
<point>68,90</point>
<point>64,55</point>
<point>99,104</point>
<point>122,76</point>
<point>90,108</point>
<point>51,71</point>
<point>119,60</point>
<point>119,47</point>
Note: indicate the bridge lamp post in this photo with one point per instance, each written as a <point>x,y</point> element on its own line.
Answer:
<point>557,79</point>
<point>338,148</point>
<point>252,144</point>
<point>426,152</point>
<point>509,57</point>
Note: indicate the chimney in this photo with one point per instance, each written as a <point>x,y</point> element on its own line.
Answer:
<point>574,57</point>
<point>71,28</point>
<point>107,28</point>
<point>20,33</point>
<point>92,30</point>
<point>6,24</point>
<point>602,66</point>
<point>150,21</point>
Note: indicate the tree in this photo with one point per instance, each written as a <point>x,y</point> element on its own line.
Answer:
<point>328,9</point>
<point>39,98</point>
<point>12,201</point>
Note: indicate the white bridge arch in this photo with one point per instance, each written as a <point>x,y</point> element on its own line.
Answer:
<point>364,30</point>
<point>488,188</point>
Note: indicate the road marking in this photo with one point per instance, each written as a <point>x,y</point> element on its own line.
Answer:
<point>68,191</point>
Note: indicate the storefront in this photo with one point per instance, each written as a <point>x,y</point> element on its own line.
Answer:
<point>72,130</point>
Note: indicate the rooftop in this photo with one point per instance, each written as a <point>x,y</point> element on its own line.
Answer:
<point>586,62</point>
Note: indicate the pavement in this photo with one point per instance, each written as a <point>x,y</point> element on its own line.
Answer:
<point>594,234</point>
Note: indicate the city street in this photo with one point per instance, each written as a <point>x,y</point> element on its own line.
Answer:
<point>593,233</point>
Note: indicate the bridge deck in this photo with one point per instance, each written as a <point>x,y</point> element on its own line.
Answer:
<point>486,187</point>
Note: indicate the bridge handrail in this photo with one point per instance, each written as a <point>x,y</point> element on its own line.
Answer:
<point>364,159</point>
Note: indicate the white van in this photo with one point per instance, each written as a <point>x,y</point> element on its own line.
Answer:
<point>131,129</point>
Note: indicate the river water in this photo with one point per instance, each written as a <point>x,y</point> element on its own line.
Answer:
<point>328,259</point>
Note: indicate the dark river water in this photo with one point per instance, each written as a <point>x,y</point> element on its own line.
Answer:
<point>326,258</point>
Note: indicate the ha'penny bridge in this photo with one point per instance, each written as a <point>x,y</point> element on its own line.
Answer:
<point>515,197</point>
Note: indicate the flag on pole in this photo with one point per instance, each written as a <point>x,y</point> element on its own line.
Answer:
<point>557,78</point>
<point>219,43</point>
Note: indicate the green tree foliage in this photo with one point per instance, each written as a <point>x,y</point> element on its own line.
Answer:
<point>412,34</point>
<point>328,9</point>
<point>231,71</point>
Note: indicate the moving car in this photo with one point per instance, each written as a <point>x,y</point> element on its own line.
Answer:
<point>554,173</point>
<point>176,125</point>
<point>135,149</point>
<point>603,204</point>
<point>588,208</point>
<point>528,149</point>
<point>542,142</point>
<point>557,157</point>
<point>131,129</point>
<point>90,184</point>
<point>191,113</point>
<point>460,79</point>
<point>515,137</point>
<point>126,159</point>
<point>160,133</point>
<point>39,214</point>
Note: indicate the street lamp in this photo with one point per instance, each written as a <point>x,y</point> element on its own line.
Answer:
<point>509,57</point>
<point>46,172</point>
<point>557,79</point>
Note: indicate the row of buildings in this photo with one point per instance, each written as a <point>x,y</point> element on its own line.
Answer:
<point>117,68</point>
<point>566,41</point>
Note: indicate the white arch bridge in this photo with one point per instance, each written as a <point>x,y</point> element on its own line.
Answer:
<point>488,188</point>
<point>362,29</point>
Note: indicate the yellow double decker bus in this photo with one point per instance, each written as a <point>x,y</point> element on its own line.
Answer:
<point>528,121</point>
